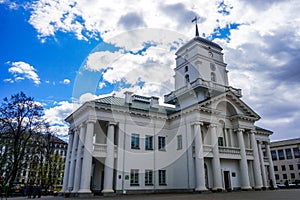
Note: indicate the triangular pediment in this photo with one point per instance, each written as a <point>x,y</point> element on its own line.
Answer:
<point>230,105</point>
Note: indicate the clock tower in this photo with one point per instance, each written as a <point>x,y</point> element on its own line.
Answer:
<point>200,73</point>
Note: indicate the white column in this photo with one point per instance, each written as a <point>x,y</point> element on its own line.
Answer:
<point>262,165</point>
<point>87,158</point>
<point>109,160</point>
<point>256,165</point>
<point>271,166</point>
<point>243,162</point>
<point>72,165</point>
<point>78,159</point>
<point>199,158</point>
<point>217,176</point>
<point>67,164</point>
<point>227,137</point>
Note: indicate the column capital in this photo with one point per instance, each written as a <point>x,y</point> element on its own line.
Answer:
<point>253,131</point>
<point>110,123</point>
<point>91,120</point>
<point>213,125</point>
<point>81,125</point>
<point>197,123</point>
<point>239,130</point>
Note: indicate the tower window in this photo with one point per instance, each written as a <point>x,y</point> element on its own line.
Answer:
<point>213,77</point>
<point>187,79</point>
<point>186,69</point>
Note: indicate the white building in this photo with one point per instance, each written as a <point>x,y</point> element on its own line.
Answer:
<point>207,142</point>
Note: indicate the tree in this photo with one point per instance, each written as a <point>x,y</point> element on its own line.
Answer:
<point>21,118</point>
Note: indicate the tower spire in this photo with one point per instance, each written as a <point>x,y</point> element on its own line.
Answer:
<point>196,22</point>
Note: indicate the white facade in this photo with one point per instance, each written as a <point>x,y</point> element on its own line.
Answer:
<point>207,142</point>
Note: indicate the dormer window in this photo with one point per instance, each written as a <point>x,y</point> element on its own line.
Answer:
<point>186,69</point>
<point>213,77</point>
<point>187,79</point>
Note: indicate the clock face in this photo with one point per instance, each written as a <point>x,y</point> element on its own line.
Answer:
<point>210,54</point>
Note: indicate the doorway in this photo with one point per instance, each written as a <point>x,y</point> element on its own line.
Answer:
<point>227,181</point>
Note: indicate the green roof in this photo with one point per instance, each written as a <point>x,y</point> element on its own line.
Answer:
<point>141,106</point>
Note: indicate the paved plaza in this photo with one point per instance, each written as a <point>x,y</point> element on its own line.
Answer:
<point>291,194</point>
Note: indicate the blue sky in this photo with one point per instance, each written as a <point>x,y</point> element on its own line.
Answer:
<point>65,52</point>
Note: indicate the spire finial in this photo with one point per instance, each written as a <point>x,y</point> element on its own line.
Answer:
<point>196,21</point>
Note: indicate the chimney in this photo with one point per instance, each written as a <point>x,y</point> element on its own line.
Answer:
<point>154,101</point>
<point>128,97</point>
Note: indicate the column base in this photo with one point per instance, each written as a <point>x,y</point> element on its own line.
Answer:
<point>201,189</point>
<point>217,189</point>
<point>108,192</point>
<point>257,187</point>
<point>245,188</point>
<point>84,191</point>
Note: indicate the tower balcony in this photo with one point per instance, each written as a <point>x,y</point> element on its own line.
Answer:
<point>100,150</point>
<point>200,83</point>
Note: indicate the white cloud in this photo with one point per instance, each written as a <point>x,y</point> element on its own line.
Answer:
<point>22,70</point>
<point>55,116</point>
<point>101,85</point>
<point>66,81</point>
<point>262,53</point>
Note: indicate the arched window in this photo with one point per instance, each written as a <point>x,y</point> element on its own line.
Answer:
<point>186,69</point>
<point>213,77</point>
<point>187,79</point>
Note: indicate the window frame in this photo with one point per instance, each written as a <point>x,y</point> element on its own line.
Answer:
<point>162,177</point>
<point>296,152</point>
<point>161,143</point>
<point>148,142</point>
<point>220,141</point>
<point>274,155</point>
<point>280,153</point>
<point>134,177</point>
<point>148,177</point>
<point>288,153</point>
<point>179,142</point>
<point>135,141</point>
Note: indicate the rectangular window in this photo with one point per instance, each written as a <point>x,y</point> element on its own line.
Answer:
<point>149,142</point>
<point>298,166</point>
<point>296,152</point>
<point>276,176</point>
<point>283,167</point>
<point>162,177</point>
<point>280,154</point>
<point>220,141</point>
<point>288,154</point>
<point>134,177</point>
<point>274,155</point>
<point>275,168</point>
<point>291,167</point>
<point>292,175</point>
<point>161,143</point>
<point>135,141</point>
<point>148,177</point>
<point>179,142</point>
<point>284,176</point>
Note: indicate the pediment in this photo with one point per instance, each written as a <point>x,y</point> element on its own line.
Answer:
<point>230,105</point>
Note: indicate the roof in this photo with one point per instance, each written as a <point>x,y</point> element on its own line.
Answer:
<point>202,40</point>
<point>295,141</point>
<point>262,129</point>
<point>140,105</point>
